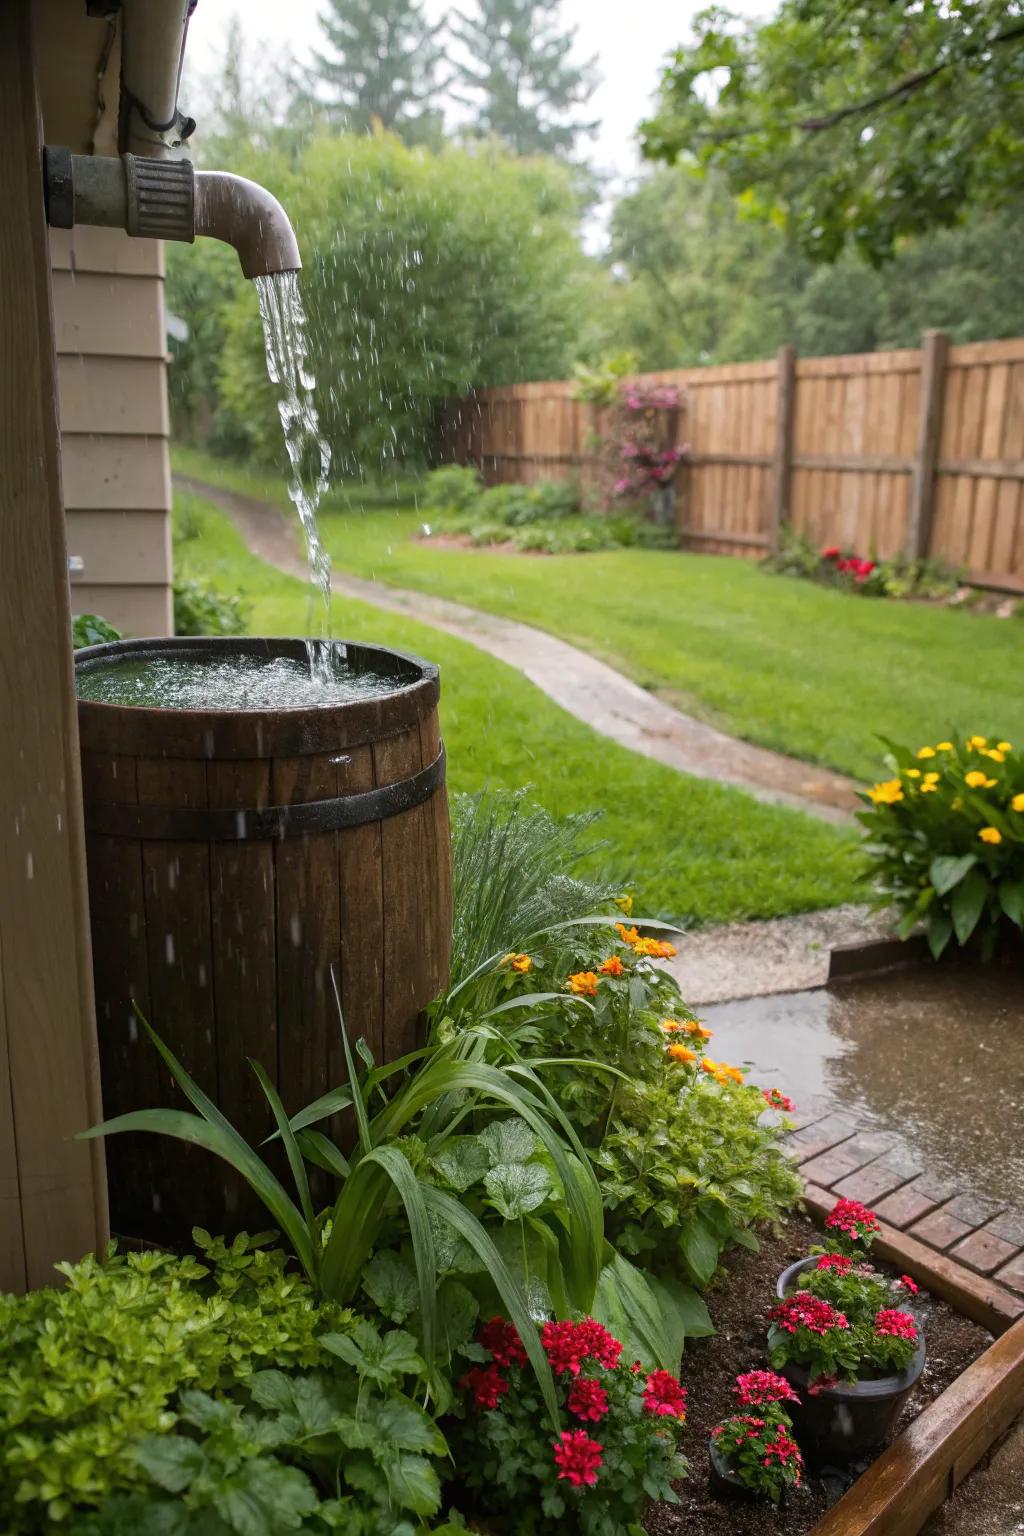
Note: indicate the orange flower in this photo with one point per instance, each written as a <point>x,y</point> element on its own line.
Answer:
<point>612,966</point>
<point>520,963</point>
<point>583,984</point>
<point>698,1030</point>
<point>681,1053</point>
<point>727,1074</point>
<point>709,1066</point>
<point>654,949</point>
<point>672,1026</point>
<point>627,935</point>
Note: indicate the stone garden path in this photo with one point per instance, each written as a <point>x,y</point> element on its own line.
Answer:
<point>578,682</point>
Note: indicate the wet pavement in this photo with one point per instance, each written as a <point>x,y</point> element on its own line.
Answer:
<point>934,1057</point>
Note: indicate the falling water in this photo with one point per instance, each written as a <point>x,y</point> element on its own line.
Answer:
<point>284,335</point>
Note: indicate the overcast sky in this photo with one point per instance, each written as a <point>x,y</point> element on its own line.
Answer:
<point>631,39</point>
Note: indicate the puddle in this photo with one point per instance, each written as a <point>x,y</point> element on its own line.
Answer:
<point>934,1056</point>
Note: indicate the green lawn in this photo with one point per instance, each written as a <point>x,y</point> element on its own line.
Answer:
<point>689,849</point>
<point>811,672</point>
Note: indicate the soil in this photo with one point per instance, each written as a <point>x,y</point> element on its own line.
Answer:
<point>739,1303</point>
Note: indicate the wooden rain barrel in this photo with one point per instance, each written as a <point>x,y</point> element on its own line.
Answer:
<point>233,856</point>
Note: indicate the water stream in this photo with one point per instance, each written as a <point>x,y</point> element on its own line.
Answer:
<point>287,349</point>
<point>239,681</point>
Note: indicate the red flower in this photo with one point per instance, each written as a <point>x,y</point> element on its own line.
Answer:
<point>890,1323</point>
<point>587,1399</point>
<point>758,1387</point>
<point>664,1397</point>
<point>776,1099</point>
<point>837,1261</point>
<point>599,1343</point>
<point>563,1346</point>
<point>810,1312</point>
<point>636,1367</point>
<point>785,1451</point>
<point>821,1384</point>
<point>908,1285</point>
<point>487,1385</point>
<point>577,1458</point>
<point>831,553</point>
<point>852,1218</point>
<point>503,1343</point>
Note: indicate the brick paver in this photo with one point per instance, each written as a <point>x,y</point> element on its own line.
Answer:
<point>846,1158</point>
<point>940,1229</point>
<point>983,1251</point>
<point>870,1183</point>
<point>906,1206</point>
<point>1012,1274</point>
<point>821,1136</point>
<point>974,1209</point>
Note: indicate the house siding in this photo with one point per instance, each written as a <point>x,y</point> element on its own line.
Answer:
<point>109,327</point>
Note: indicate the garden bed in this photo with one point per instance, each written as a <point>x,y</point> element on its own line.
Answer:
<point>739,1304</point>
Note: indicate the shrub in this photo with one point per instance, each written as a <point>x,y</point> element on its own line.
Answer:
<point>616,1450</point>
<point>451,488</point>
<point>88,1371</point>
<point>201,609</point>
<point>899,576</point>
<point>945,839</point>
<point>90,629</point>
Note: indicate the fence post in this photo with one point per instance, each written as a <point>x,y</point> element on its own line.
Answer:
<point>782,460</point>
<point>934,349</point>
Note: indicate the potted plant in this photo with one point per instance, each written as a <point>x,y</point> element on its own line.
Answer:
<point>753,1453</point>
<point>847,1337</point>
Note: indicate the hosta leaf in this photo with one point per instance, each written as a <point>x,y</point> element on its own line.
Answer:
<point>968,904</point>
<point>509,1141</point>
<point>947,870</point>
<point>627,1305</point>
<point>517,1188</point>
<point>684,1305</point>
<point>700,1249</point>
<point>1011,899</point>
<point>462,1161</point>
<point>390,1281</point>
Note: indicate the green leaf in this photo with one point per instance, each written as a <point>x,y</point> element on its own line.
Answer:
<point>401,1423</point>
<point>508,1141</point>
<point>940,931</point>
<point>626,1303</point>
<point>268,1499</point>
<point>680,1301</point>
<point>700,1249</point>
<point>457,1312</point>
<point>413,1484</point>
<point>1011,899</point>
<point>380,1358</point>
<point>462,1161</point>
<point>390,1282</point>
<point>968,904</point>
<point>515,1189</point>
<point>947,870</point>
<point>172,1461</point>
<point>291,1147</point>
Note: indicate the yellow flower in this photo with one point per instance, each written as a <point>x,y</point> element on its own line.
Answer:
<point>913,773</point>
<point>926,751</point>
<point>726,1074</point>
<point>672,1026</point>
<point>583,984</point>
<point>681,1053</point>
<point>625,905</point>
<point>1005,746</point>
<point>929,787</point>
<point>995,754</point>
<point>944,746</point>
<point>932,777</point>
<point>1017,803</point>
<point>698,1030</point>
<point>977,742</point>
<point>886,794</point>
<point>977,780</point>
<point>627,935</point>
<point>990,835</point>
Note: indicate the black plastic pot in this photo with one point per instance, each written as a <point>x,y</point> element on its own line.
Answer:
<point>722,1479</point>
<point>838,1424</point>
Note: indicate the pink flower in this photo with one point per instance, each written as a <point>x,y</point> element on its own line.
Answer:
<point>487,1385</point>
<point>837,1261</point>
<point>776,1099</point>
<point>851,1218</point>
<point>804,1311</point>
<point>577,1458</point>
<point>568,1344</point>
<point>599,1343</point>
<point>503,1343</point>
<point>908,1285</point>
<point>587,1399</point>
<point>755,1388</point>
<point>664,1397</point>
<point>892,1324</point>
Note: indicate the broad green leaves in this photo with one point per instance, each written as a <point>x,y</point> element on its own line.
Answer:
<point>515,1189</point>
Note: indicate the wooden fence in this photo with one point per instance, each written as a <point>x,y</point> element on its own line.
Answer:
<point>920,450</point>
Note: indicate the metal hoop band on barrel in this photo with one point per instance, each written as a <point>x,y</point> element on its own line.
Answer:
<point>200,824</point>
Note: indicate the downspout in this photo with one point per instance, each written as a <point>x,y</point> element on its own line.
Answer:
<point>153,36</point>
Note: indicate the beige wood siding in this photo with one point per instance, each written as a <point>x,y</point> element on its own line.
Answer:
<point>109,325</point>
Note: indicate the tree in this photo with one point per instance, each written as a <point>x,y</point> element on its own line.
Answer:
<point>854,122</point>
<point>381,66</point>
<point>424,274</point>
<point>518,76</point>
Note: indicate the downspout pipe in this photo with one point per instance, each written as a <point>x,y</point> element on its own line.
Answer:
<point>166,199</point>
<point>153,35</point>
